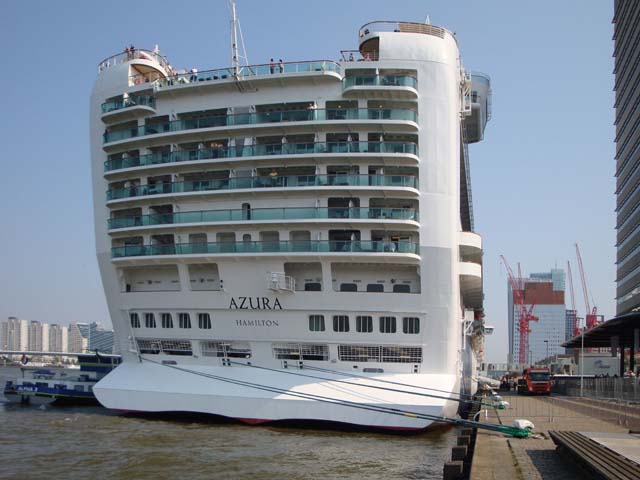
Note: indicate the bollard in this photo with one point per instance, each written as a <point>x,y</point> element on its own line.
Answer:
<point>453,470</point>
<point>464,440</point>
<point>459,453</point>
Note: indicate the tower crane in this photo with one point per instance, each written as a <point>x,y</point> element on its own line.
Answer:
<point>525,315</point>
<point>591,315</point>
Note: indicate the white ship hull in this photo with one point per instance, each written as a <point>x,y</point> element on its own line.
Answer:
<point>146,387</point>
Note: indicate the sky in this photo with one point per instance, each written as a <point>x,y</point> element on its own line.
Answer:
<point>542,178</point>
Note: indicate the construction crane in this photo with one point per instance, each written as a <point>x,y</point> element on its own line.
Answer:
<point>525,315</point>
<point>591,315</point>
<point>576,320</point>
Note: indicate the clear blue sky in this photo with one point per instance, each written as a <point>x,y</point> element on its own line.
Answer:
<point>542,179</point>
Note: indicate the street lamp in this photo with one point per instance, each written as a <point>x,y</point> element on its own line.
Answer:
<point>582,362</point>
<point>547,342</point>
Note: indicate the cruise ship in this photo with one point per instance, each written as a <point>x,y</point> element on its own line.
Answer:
<point>292,241</point>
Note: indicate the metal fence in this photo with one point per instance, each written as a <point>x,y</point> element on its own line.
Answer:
<point>604,388</point>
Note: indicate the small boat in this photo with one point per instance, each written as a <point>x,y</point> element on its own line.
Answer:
<point>65,386</point>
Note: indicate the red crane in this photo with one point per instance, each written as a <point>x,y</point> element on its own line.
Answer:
<point>525,314</point>
<point>576,322</point>
<point>590,315</point>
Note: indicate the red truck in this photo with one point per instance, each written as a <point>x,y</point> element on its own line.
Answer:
<point>535,380</point>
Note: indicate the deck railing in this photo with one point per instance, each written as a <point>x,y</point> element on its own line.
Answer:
<point>132,101</point>
<point>260,214</point>
<point>306,115</point>
<point>271,181</point>
<point>285,246</point>
<point>380,81</point>
<point>297,148</point>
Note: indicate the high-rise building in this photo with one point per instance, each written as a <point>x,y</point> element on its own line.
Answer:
<point>546,292</point>
<point>14,334</point>
<point>38,336</point>
<point>627,120</point>
<point>78,337</point>
<point>100,340</point>
<point>58,338</point>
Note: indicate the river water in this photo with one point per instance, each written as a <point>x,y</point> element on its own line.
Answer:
<point>93,442</point>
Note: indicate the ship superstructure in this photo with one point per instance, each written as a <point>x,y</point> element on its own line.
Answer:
<point>258,223</point>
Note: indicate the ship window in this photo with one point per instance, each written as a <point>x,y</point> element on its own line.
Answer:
<point>304,351</point>
<point>226,349</point>
<point>167,320</point>
<point>184,320</point>
<point>387,324</point>
<point>398,354</point>
<point>204,321</point>
<point>340,323</point>
<point>402,289</point>
<point>348,287</point>
<point>135,320</point>
<point>149,320</point>
<point>316,323</point>
<point>151,347</point>
<point>358,353</point>
<point>176,347</point>
<point>364,324</point>
<point>313,287</point>
<point>78,388</point>
<point>411,325</point>
<point>375,287</point>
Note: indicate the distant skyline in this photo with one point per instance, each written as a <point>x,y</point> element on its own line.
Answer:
<point>542,178</point>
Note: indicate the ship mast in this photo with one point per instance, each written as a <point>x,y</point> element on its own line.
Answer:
<point>235,28</point>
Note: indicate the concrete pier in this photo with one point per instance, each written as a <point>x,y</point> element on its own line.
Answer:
<point>498,457</point>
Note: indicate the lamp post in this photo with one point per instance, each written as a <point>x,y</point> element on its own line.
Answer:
<point>582,362</point>
<point>530,358</point>
<point>547,343</point>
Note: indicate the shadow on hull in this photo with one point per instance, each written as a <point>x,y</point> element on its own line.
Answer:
<point>290,424</point>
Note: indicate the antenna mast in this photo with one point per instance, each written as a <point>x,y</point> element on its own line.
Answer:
<point>235,28</point>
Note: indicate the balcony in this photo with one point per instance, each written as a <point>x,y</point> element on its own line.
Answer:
<point>209,154</point>
<point>269,248</point>
<point>381,86</point>
<point>128,108</point>
<point>294,181</point>
<point>265,215</point>
<point>248,72</point>
<point>239,121</point>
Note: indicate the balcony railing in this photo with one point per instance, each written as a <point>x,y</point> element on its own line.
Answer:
<point>276,181</point>
<point>247,71</point>
<point>380,81</point>
<point>260,150</point>
<point>308,246</point>
<point>256,118</point>
<point>143,100</point>
<point>260,214</point>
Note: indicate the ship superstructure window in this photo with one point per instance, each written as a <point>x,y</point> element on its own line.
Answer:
<point>166,320</point>
<point>364,324</point>
<point>387,324</point>
<point>348,287</point>
<point>316,323</point>
<point>411,325</point>
<point>184,320</point>
<point>375,287</point>
<point>225,349</point>
<point>379,353</point>
<point>168,347</point>
<point>340,323</point>
<point>204,321</point>
<point>402,289</point>
<point>302,351</point>
<point>313,287</point>
<point>149,320</point>
<point>135,320</point>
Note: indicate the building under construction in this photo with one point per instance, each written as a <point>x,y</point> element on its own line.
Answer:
<point>544,297</point>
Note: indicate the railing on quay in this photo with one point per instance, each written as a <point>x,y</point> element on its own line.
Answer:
<point>270,181</point>
<point>306,115</point>
<point>604,388</point>
<point>380,81</point>
<point>259,214</point>
<point>298,148</point>
<point>284,246</point>
<point>245,71</point>
<point>132,101</point>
